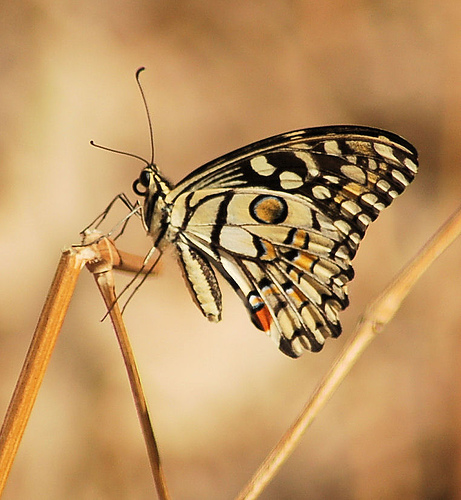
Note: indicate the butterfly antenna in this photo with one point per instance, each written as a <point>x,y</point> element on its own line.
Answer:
<point>112,150</point>
<point>146,107</point>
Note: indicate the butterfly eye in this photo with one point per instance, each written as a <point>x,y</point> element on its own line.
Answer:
<point>143,180</point>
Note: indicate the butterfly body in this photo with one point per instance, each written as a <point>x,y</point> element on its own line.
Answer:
<point>281,219</point>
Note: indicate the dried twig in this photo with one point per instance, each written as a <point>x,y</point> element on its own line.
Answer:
<point>102,270</point>
<point>38,356</point>
<point>99,257</point>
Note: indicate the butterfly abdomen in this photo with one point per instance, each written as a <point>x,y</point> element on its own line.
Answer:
<point>200,277</point>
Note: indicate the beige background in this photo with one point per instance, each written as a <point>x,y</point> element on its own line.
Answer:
<point>220,75</point>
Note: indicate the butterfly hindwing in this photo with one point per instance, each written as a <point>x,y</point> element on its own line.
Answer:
<point>282,220</point>
<point>291,277</point>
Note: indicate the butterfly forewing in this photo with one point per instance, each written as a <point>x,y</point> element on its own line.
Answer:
<point>282,219</point>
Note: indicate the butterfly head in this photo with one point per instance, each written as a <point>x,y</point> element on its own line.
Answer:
<point>153,188</point>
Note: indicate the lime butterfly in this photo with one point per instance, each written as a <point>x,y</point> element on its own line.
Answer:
<point>281,220</point>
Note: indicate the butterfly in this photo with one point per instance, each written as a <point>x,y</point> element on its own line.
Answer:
<point>281,220</point>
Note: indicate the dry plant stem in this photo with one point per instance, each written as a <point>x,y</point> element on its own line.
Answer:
<point>131,263</point>
<point>104,279</point>
<point>375,319</point>
<point>38,356</point>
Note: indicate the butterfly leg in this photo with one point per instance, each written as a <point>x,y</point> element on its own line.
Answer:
<point>135,209</point>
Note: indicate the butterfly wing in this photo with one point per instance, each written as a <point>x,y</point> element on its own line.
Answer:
<point>283,218</point>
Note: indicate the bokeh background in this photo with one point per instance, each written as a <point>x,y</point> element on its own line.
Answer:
<point>220,75</point>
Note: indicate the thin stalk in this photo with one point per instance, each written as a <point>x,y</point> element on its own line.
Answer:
<point>102,270</point>
<point>38,356</point>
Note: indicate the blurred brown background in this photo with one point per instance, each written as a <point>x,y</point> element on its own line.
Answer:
<point>220,75</point>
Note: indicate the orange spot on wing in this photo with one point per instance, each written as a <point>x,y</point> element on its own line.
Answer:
<point>297,296</point>
<point>299,238</point>
<point>304,260</point>
<point>354,189</point>
<point>264,318</point>
<point>269,251</point>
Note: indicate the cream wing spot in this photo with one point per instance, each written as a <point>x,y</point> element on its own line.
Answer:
<point>331,310</point>
<point>400,177</point>
<point>312,293</point>
<point>340,281</point>
<point>372,165</point>
<point>323,272</point>
<point>285,322</point>
<point>331,178</point>
<point>370,198</point>
<point>355,173</point>
<point>342,252</point>
<point>290,180</point>
<point>237,240</point>
<point>351,207</point>
<point>364,219</point>
<point>385,151</point>
<point>298,345</point>
<point>351,159</point>
<point>343,226</point>
<point>261,166</point>
<point>332,148</point>
<point>319,244</point>
<point>411,165</point>
<point>325,223</point>
<point>355,238</point>
<point>321,192</point>
<point>308,318</point>
<point>383,185</point>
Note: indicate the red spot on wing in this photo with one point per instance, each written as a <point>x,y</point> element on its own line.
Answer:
<point>264,318</point>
